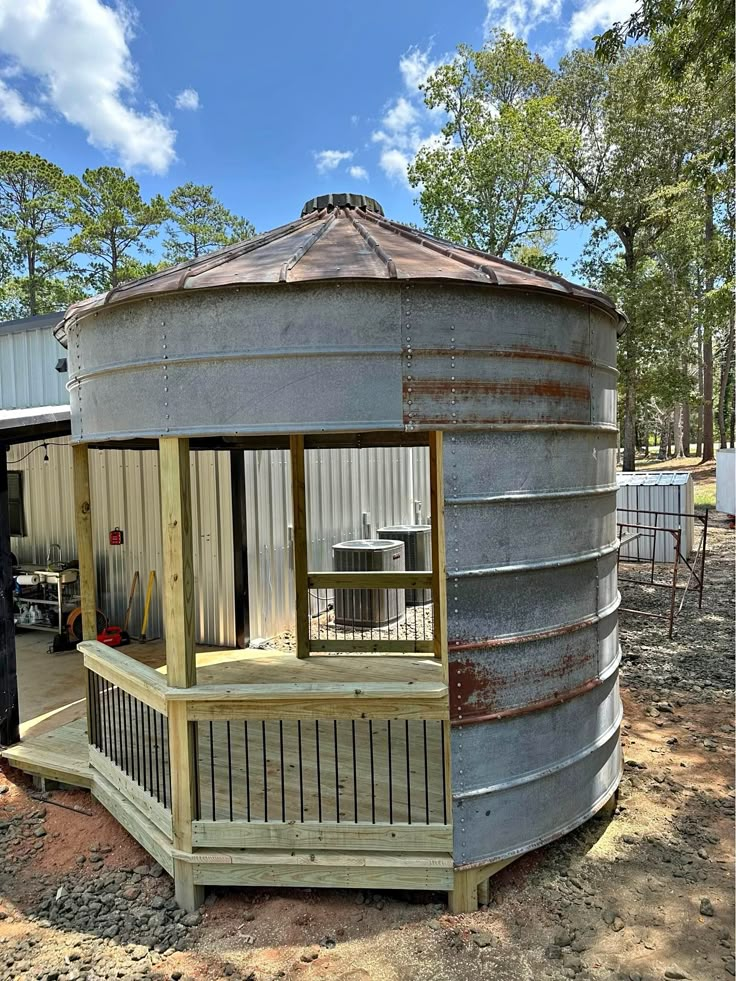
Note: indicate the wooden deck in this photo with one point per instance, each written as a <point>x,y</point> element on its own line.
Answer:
<point>61,754</point>
<point>283,799</point>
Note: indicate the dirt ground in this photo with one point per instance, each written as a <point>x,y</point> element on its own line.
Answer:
<point>646,895</point>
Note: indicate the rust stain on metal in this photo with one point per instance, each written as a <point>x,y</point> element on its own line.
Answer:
<point>474,687</point>
<point>476,645</point>
<point>467,682</point>
<point>524,353</point>
<point>437,389</point>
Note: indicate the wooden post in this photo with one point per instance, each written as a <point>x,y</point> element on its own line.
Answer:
<point>299,504</point>
<point>463,897</point>
<point>240,548</point>
<point>181,667</point>
<point>85,549</point>
<point>9,717</point>
<point>178,592</point>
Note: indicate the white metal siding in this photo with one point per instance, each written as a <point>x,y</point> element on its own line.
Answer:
<point>342,484</point>
<point>726,481</point>
<point>28,374</point>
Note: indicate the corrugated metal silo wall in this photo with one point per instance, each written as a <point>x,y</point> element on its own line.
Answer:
<point>28,374</point>
<point>125,493</point>
<point>525,388</point>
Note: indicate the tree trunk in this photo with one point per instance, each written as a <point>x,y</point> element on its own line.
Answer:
<point>677,426</point>
<point>32,295</point>
<point>629,464</point>
<point>664,436</point>
<point>708,338</point>
<point>686,428</point>
<point>726,366</point>
<point>699,433</point>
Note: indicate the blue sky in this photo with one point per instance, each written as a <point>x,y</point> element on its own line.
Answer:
<point>270,103</point>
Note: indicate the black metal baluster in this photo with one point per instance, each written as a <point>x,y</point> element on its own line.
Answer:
<point>212,769</point>
<point>319,776</point>
<point>426,772</point>
<point>373,772</point>
<point>390,775</point>
<point>283,788</point>
<point>301,769</point>
<point>92,708</point>
<point>197,774</point>
<point>165,760</point>
<point>229,768</point>
<point>265,771</point>
<point>137,740</point>
<point>108,731</point>
<point>337,773</point>
<point>355,776</point>
<point>142,780</point>
<point>155,737</point>
<point>444,775</point>
<point>408,773</point>
<point>247,768</point>
<point>123,742</point>
<point>151,743</point>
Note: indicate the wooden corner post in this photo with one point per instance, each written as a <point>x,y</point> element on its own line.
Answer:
<point>299,505</point>
<point>181,667</point>
<point>85,550</point>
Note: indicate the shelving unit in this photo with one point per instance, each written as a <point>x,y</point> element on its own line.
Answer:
<point>56,589</point>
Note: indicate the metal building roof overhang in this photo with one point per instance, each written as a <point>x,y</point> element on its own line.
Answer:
<point>38,422</point>
<point>333,244</point>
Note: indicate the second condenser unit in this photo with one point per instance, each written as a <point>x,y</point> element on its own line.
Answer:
<point>417,541</point>
<point>363,608</point>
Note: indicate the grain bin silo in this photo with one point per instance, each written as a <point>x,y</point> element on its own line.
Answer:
<point>343,328</point>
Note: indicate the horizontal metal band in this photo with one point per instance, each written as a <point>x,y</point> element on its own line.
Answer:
<point>543,495</point>
<point>287,429</point>
<point>607,368</point>
<point>520,427</point>
<point>545,771</point>
<point>534,635</point>
<point>251,355</point>
<point>543,703</point>
<point>540,840</point>
<point>577,559</point>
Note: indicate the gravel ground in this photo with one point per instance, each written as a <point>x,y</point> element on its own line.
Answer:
<point>643,897</point>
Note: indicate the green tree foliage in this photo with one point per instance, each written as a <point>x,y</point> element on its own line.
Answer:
<point>631,136</point>
<point>35,203</point>
<point>486,183</point>
<point>199,223</point>
<point>114,223</point>
<point>696,35</point>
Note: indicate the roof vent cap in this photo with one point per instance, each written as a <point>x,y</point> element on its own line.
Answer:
<point>330,201</point>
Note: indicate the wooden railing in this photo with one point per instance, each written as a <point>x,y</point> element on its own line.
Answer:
<point>128,730</point>
<point>282,765</point>
<point>370,612</point>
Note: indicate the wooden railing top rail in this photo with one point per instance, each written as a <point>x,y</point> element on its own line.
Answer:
<point>139,680</point>
<point>370,580</point>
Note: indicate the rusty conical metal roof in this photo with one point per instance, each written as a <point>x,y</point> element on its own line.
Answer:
<point>338,237</point>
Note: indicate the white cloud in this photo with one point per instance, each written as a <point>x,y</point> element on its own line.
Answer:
<point>188,99</point>
<point>597,16</point>
<point>415,65</point>
<point>520,17</point>
<point>328,160</point>
<point>78,50</point>
<point>394,164</point>
<point>358,173</point>
<point>14,108</point>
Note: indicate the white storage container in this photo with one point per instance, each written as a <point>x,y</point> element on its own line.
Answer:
<point>726,481</point>
<point>639,496</point>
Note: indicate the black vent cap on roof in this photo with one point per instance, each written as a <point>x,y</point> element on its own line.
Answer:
<point>331,201</point>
